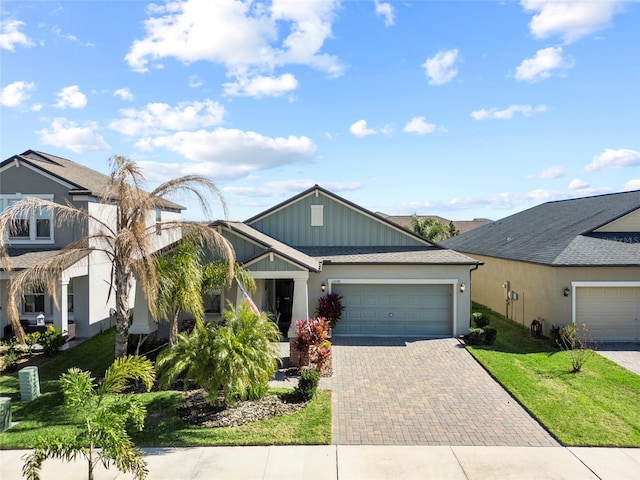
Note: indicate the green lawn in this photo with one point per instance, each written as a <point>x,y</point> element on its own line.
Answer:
<point>600,406</point>
<point>47,415</point>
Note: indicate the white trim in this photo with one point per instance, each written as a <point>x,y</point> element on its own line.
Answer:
<point>269,257</point>
<point>300,275</point>
<point>605,284</point>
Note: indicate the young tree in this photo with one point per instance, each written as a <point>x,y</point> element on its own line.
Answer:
<point>127,241</point>
<point>184,276</point>
<point>103,438</point>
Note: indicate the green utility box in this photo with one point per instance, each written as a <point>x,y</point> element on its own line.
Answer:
<point>29,383</point>
<point>5,413</point>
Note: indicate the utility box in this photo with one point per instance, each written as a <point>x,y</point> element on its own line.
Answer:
<point>29,383</point>
<point>5,413</point>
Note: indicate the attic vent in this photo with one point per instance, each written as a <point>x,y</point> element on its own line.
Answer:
<point>317,215</point>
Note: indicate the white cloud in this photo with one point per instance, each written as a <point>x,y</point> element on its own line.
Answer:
<point>507,113</point>
<point>124,94</point>
<point>420,126</point>
<point>195,81</point>
<point>550,173</point>
<point>67,36</point>
<point>610,158</point>
<point>11,36</point>
<point>542,65</point>
<point>632,185</point>
<point>67,134</point>
<point>243,36</point>
<point>71,97</point>
<point>226,153</point>
<point>261,86</point>
<point>161,118</point>
<point>577,184</point>
<point>441,67</point>
<point>571,20</point>
<point>360,129</point>
<point>385,10</point>
<point>16,93</point>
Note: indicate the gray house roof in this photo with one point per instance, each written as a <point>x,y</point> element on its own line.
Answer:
<point>463,226</point>
<point>271,245</point>
<point>388,256</point>
<point>83,180</point>
<point>560,233</point>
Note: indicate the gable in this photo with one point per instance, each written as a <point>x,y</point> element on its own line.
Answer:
<point>272,262</point>
<point>627,223</point>
<point>320,219</point>
<point>245,249</point>
<point>20,177</point>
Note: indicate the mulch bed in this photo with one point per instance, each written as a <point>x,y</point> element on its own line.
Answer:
<point>196,409</point>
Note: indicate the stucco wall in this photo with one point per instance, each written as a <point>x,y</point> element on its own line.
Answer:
<point>539,288</point>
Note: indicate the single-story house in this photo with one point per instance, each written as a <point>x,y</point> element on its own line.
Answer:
<point>570,261</point>
<point>393,282</point>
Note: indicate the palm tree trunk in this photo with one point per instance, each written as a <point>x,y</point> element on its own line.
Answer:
<point>122,313</point>
<point>14,317</point>
<point>173,331</point>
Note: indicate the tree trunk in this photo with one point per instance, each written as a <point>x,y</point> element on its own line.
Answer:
<point>173,331</point>
<point>14,318</point>
<point>122,313</point>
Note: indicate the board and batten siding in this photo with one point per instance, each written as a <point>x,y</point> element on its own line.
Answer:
<point>244,249</point>
<point>342,225</point>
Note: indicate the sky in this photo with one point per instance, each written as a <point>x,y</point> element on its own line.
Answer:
<point>462,109</point>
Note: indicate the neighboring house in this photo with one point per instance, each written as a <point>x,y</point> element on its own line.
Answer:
<point>393,281</point>
<point>463,226</point>
<point>567,261</point>
<point>84,299</point>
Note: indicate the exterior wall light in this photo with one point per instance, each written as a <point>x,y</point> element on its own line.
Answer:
<point>462,287</point>
<point>323,287</point>
<point>566,291</point>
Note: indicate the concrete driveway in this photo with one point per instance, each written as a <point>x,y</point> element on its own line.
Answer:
<point>429,392</point>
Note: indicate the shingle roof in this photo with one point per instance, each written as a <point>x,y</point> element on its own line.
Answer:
<point>25,258</point>
<point>82,179</point>
<point>388,255</point>
<point>557,233</point>
<point>463,226</point>
<point>273,245</point>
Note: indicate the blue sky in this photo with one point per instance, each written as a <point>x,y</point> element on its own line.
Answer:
<point>459,109</point>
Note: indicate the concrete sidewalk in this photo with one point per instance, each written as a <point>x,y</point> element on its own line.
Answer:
<point>355,462</point>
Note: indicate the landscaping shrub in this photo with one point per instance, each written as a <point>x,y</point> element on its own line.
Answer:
<point>490,335</point>
<point>480,319</point>
<point>575,340</point>
<point>9,360</point>
<point>235,360</point>
<point>312,343</point>
<point>307,385</point>
<point>51,340</point>
<point>330,308</point>
<point>476,336</point>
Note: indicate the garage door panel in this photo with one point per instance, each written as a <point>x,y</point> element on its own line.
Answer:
<point>395,309</point>
<point>612,314</point>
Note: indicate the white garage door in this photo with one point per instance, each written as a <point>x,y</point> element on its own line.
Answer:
<point>612,314</point>
<point>420,310</point>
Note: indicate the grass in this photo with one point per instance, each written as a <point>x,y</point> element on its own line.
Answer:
<point>599,406</point>
<point>47,414</point>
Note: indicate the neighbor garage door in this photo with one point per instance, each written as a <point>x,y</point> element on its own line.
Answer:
<point>612,314</point>
<point>396,309</point>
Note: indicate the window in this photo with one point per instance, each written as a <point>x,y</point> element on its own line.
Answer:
<point>33,299</point>
<point>213,302</point>
<point>29,227</point>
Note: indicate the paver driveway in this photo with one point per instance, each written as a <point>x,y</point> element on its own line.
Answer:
<point>426,392</point>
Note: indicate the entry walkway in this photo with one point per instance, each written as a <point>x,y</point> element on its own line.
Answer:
<point>422,392</point>
<point>625,354</point>
<point>344,462</point>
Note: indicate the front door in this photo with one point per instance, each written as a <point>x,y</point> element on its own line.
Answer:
<point>284,303</point>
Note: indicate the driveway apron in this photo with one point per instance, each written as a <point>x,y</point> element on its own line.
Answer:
<point>390,391</point>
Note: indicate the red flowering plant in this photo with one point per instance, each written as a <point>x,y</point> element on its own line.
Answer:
<point>330,307</point>
<point>312,343</point>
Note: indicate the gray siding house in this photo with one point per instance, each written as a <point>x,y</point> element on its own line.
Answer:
<point>393,281</point>
<point>85,283</point>
<point>570,261</point>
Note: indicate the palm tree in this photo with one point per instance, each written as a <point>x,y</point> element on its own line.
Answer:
<point>183,278</point>
<point>127,241</point>
<point>103,437</point>
<point>234,360</point>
